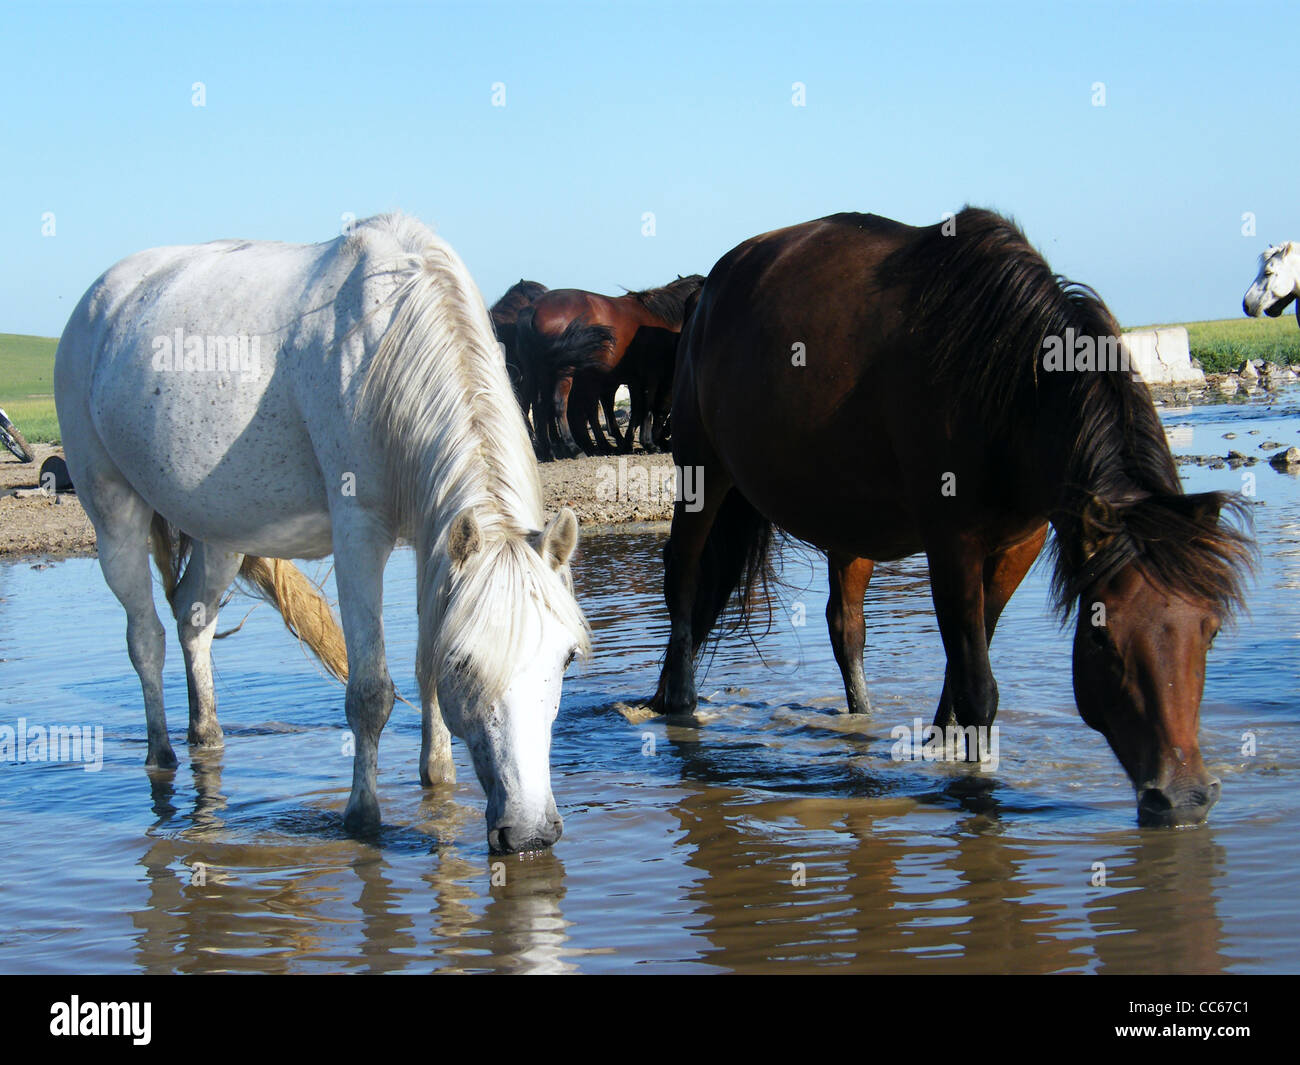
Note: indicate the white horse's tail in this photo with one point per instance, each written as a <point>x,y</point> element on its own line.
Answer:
<point>305,611</point>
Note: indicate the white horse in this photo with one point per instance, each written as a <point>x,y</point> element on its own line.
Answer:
<point>263,401</point>
<point>1277,283</point>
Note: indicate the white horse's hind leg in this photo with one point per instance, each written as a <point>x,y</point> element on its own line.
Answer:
<point>122,531</point>
<point>359,573</point>
<point>208,574</point>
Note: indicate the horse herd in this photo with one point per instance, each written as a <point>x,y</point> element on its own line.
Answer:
<point>382,409</point>
<point>568,351</point>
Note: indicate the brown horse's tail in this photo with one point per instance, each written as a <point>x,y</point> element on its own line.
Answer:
<point>305,611</point>
<point>736,565</point>
<point>582,346</point>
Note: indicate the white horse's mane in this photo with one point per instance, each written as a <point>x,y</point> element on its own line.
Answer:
<point>1286,248</point>
<point>441,406</point>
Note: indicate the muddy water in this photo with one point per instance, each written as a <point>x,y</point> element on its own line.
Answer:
<point>777,835</point>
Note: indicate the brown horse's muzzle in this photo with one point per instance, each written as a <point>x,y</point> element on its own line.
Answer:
<point>1185,802</point>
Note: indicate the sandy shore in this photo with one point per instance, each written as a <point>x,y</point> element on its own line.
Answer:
<point>618,490</point>
<point>38,524</point>
<point>604,491</point>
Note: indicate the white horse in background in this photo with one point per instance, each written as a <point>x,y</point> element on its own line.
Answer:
<point>245,402</point>
<point>1277,283</point>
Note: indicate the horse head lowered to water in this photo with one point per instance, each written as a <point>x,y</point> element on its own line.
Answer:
<point>252,402</point>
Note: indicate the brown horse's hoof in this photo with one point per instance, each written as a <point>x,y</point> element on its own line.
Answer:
<point>681,705</point>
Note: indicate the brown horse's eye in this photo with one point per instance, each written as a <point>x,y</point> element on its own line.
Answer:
<point>1213,625</point>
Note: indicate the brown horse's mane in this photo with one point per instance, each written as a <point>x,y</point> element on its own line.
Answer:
<point>983,303</point>
<point>517,297</point>
<point>669,301</point>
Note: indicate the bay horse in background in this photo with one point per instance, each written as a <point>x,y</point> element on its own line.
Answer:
<point>840,449</point>
<point>646,368</point>
<point>573,343</point>
<point>505,313</point>
<point>550,334</point>
<point>650,362</point>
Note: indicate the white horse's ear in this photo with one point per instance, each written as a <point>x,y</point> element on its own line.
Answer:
<point>559,539</point>
<point>463,539</point>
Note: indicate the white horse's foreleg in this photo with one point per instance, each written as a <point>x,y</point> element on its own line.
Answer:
<point>208,574</point>
<point>359,573</point>
<point>436,766</point>
<point>122,534</point>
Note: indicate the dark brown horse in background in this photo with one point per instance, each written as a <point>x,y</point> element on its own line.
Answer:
<point>796,394</point>
<point>573,344</point>
<point>646,367</point>
<point>505,315</point>
<point>545,336</point>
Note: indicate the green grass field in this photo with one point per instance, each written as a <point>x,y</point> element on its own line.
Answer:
<point>27,386</point>
<point>1224,345</point>
<point>27,364</point>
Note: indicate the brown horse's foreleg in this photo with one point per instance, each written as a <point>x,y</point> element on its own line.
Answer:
<point>607,396</point>
<point>659,409</point>
<point>849,579</point>
<point>603,445</point>
<point>1003,572</point>
<point>638,416</point>
<point>592,398</point>
<point>544,418</point>
<point>957,588</point>
<point>526,393</point>
<point>648,433</point>
<point>582,406</point>
<point>567,446</point>
<point>693,520</point>
<point>676,691</point>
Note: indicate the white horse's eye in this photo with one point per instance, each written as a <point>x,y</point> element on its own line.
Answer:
<point>572,655</point>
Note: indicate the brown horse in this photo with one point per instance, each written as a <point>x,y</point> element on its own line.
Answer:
<point>541,331</point>
<point>646,367</point>
<point>797,395</point>
<point>505,314</point>
<point>541,350</point>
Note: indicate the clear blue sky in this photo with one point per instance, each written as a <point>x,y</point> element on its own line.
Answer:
<point>683,109</point>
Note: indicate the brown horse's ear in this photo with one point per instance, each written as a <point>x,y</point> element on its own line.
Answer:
<point>463,539</point>
<point>1099,522</point>
<point>1201,508</point>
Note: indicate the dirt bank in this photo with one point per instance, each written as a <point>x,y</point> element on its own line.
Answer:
<point>619,490</point>
<point>37,524</point>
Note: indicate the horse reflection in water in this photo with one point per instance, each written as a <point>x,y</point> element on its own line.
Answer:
<point>316,901</point>
<point>882,883</point>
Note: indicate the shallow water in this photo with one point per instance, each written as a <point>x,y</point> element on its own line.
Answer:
<point>777,835</point>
